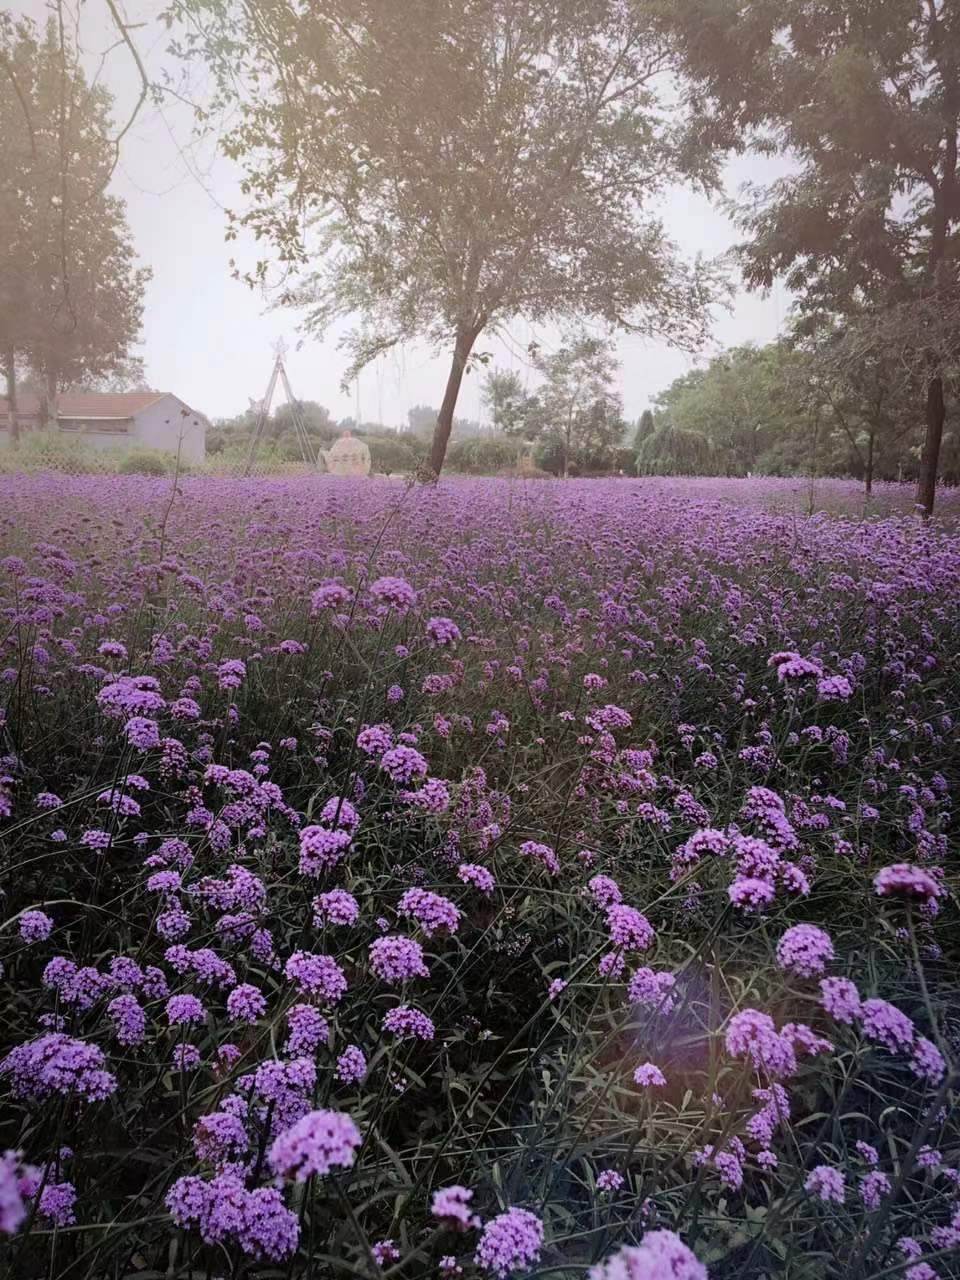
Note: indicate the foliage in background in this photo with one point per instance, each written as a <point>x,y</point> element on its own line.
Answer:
<point>812,405</point>
<point>864,96</point>
<point>510,176</point>
<point>71,294</point>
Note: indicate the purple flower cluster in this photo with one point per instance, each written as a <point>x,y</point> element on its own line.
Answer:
<point>660,1255</point>
<point>318,1142</point>
<point>57,1063</point>
<point>510,1242</point>
<point>224,1211</point>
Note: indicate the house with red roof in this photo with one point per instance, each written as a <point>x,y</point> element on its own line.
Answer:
<point>119,420</point>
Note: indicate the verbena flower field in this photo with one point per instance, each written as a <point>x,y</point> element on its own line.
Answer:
<point>475,880</point>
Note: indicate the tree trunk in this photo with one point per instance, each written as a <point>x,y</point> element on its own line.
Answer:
<point>48,401</point>
<point>13,422</point>
<point>868,469</point>
<point>930,458</point>
<point>441,432</point>
<point>567,439</point>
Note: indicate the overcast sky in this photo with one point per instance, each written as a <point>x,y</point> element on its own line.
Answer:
<point>209,338</point>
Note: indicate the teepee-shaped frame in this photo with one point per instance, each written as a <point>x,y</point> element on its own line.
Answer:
<point>279,374</point>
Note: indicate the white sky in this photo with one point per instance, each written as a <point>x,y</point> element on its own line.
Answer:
<point>208,338</point>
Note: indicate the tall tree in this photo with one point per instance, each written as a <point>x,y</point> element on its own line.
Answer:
<point>455,163</point>
<point>576,411</point>
<point>505,397</point>
<point>865,95</point>
<point>18,155</point>
<point>70,290</point>
<point>869,390</point>
<point>644,428</point>
<point>740,401</point>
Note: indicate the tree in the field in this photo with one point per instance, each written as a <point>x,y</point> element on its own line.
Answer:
<point>18,149</point>
<point>506,399</point>
<point>869,391</point>
<point>422,419</point>
<point>644,428</point>
<point>440,166</point>
<point>742,402</point>
<point>71,294</point>
<point>865,96</point>
<point>575,414</point>
<point>676,451</point>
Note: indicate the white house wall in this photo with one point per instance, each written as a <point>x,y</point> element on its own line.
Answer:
<point>161,425</point>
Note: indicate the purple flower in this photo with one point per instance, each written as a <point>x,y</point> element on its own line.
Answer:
<point>648,1075</point>
<point>655,990</point>
<point>834,688</point>
<point>142,733</point>
<point>184,1011</point>
<point>35,926</point>
<point>351,1065</point>
<point>805,950</point>
<point>318,974</point>
<point>56,1203</point>
<point>185,1057</point>
<point>660,1255</point>
<point>840,998</point>
<point>322,849</point>
<point>479,877</point>
<point>224,1210</point>
<point>907,881</point>
<point>927,1062</point>
<point>56,1063</point>
<point>452,1206</point>
<point>751,893</point>
<point>543,853</point>
<point>873,1187</point>
<point>308,1029</point>
<point>14,1178</point>
<point>385,1251</point>
<point>395,959</point>
<point>336,907</point>
<point>317,1143</point>
<point>406,1021</point>
<point>825,1182</point>
<point>510,1242</point>
<point>329,595</point>
<point>395,592</point>
<point>604,891</point>
<point>220,1136</point>
<point>129,1019</point>
<point>609,1180</point>
<point>404,764</point>
<point>375,739</point>
<point>885,1024</point>
<point>430,910</point>
<point>629,929</point>
<point>752,1034</point>
<point>246,1003</point>
<point>442,632</point>
<point>231,673</point>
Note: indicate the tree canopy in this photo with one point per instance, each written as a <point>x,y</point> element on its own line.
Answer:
<point>864,97</point>
<point>71,294</point>
<point>440,166</point>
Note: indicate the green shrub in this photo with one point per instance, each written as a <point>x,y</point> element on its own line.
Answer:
<point>149,462</point>
<point>54,450</point>
<point>400,451</point>
<point>483,456</point>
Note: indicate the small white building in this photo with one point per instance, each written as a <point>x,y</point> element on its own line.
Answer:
<point>119,420</point>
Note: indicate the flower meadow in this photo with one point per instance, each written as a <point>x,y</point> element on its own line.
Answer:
<point>487,879</point>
